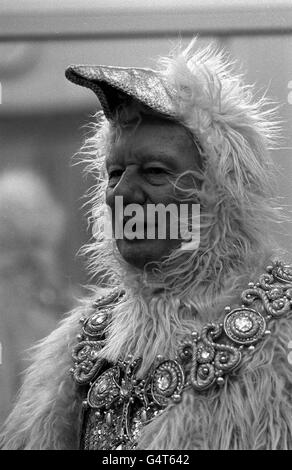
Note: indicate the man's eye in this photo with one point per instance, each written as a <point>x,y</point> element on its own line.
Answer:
<point>154,170</point>
<point>114,177</point>
<point>115,173</point>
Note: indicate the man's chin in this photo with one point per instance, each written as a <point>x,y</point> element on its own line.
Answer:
<point>139,253</point>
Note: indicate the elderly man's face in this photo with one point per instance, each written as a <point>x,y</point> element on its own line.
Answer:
<point>142,167</point>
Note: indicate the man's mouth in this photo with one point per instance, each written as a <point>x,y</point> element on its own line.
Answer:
<point>139,230</point>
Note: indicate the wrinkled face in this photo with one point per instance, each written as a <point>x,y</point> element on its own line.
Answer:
<point>142,167</point>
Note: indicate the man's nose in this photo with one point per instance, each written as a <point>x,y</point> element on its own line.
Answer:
<point>130,187</point>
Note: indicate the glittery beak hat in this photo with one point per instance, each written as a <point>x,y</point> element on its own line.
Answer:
<point>111,84</point>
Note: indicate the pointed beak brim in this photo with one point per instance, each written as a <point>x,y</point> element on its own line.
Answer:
<point>113,84</point>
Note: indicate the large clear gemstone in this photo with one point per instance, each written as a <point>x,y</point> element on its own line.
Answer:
<point>102,386</point>
<point>98,319</point>
<point>163,381</point>
<point>93,354</point>
<point>205,354</point>
<point>243,324</point>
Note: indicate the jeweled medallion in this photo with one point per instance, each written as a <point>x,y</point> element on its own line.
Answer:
<point>244,325</point>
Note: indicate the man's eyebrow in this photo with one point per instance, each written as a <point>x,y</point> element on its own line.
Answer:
<point>146,156</point>
<point>161,156</point>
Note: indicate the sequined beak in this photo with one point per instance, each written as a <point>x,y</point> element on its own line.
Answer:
<point>114,85</point>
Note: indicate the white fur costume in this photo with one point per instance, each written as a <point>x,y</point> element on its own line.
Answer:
<point>253,410</point>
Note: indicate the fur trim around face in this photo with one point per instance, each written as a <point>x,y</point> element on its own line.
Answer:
<point>235,133</point>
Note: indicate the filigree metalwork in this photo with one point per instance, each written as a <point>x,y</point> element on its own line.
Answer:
<point>244,325</point>
<point>87,361</point>
<point>105,390</point>
<point>167,382</point>
<point>119,404</point>
<point>211,360</point>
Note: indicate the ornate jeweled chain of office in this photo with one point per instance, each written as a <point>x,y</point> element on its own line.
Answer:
<point>118,405</point>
